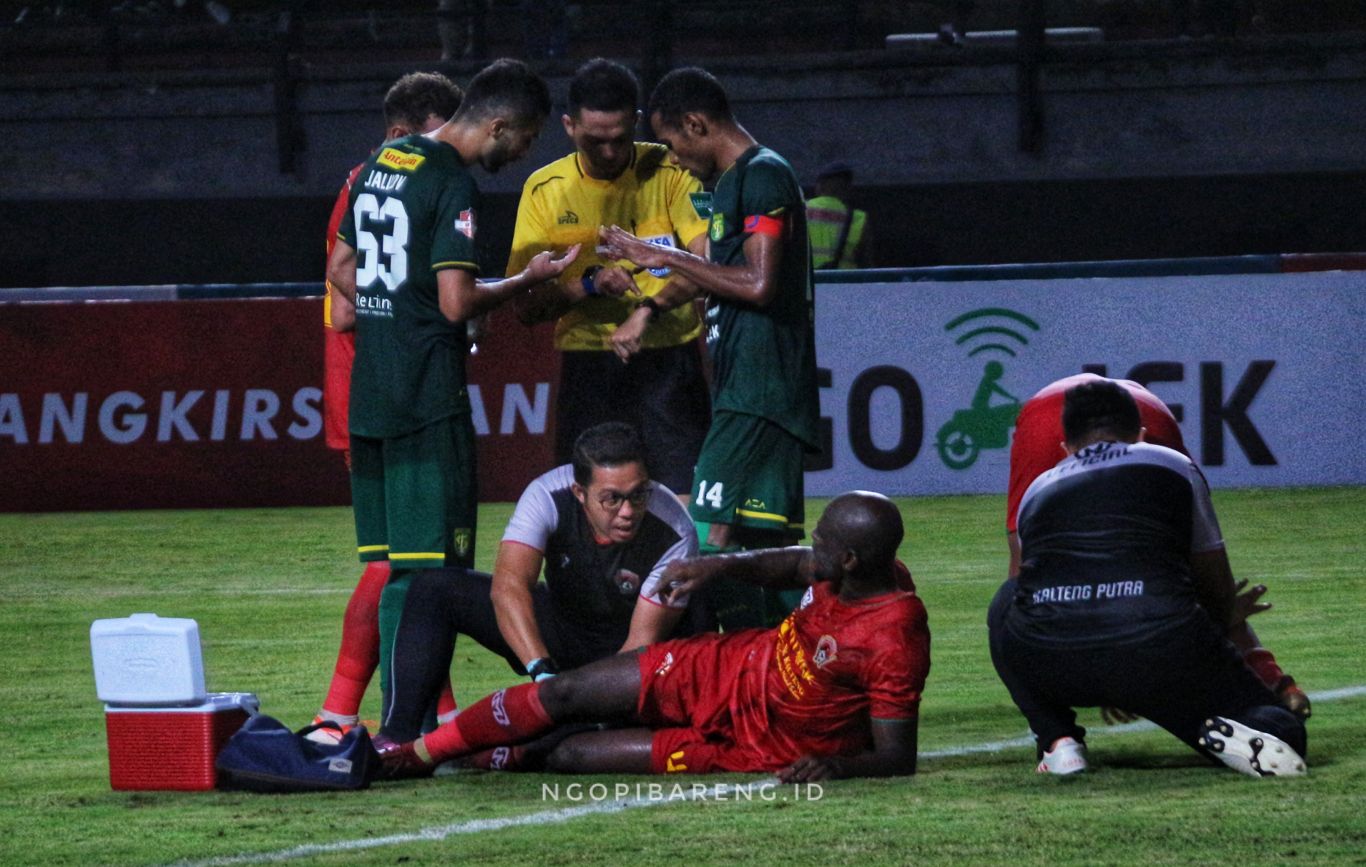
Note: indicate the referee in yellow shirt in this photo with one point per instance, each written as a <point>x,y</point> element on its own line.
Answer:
<point>622,359</point>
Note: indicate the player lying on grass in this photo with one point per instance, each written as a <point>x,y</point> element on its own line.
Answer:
<point>604,531</point>
<point>1124,598</point>
<point>833,691</point>
<point>1038,446</point>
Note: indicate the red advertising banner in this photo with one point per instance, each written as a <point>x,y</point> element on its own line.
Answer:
<point>191,404</point>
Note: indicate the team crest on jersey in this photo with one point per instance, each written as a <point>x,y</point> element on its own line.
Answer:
<point>460,541</point>
<point>464,224</point>
<point>718,226</point>
<point>628,582</point>
<point>397,159</point>
<point>664,666</point>
<point>660,241</point>
<point>568,218</point>
<point>825,651</point>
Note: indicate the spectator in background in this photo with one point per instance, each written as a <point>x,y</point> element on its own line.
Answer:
<point>461,25</point>
<point>838,231</point>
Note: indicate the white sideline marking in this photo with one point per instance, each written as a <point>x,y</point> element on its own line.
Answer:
<point>476,826</point>
<point>1126,728</point>
<point>566,814</point>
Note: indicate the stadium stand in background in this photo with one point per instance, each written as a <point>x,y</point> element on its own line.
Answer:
<point>59,35</point>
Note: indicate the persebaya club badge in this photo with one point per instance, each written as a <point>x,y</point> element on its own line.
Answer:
<point>718,226</point>
<point>461,542</point>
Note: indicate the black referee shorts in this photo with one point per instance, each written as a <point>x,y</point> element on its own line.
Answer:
<point>661,393</point>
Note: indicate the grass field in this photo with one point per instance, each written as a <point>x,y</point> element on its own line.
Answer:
<point>268,588</point>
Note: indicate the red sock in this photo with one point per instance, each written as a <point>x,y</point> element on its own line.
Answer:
<point>446,708</point>
<point>509,716</point>
<point>359,653</point>
<point>1263,664</point>
<point>496,759</point>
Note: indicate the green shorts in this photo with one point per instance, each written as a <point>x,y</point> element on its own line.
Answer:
<point>749,474</point>
<point>415,496</point>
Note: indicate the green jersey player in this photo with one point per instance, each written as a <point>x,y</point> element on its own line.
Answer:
<point>405,257</point>
<point>758,280</point>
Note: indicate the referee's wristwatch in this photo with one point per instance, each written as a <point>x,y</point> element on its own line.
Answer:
<point>542,668</point>
<point>587,280</point>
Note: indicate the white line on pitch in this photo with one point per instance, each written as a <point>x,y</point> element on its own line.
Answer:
<point>566,814</point>
<point>1126,728</point>
<point>677,793</point>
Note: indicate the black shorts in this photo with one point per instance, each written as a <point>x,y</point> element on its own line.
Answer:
<point>661,392</point>
<point>1178,675</point>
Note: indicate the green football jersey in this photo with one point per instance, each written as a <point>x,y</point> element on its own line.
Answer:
<point>411,215</point>
<point>764,358</point>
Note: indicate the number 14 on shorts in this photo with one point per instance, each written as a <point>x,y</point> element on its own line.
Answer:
<point>709,496</point>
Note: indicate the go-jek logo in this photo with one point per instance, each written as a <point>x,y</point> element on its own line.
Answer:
<point>986,423</point>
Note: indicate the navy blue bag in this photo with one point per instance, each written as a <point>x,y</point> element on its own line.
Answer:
<point>264,755</point>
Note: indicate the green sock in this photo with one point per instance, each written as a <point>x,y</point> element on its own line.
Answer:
<point>390,612</point>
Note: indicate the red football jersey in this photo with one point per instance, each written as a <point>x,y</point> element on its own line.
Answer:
<point>339,347</point>
<point>808,687</point>
<point>1037,446</point>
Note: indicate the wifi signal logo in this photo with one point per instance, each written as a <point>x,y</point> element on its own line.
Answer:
<point>986,423</point>
<point>988,334</point>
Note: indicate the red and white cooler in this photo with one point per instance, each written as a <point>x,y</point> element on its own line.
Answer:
<point>173,747</point>
<point>164,730</point>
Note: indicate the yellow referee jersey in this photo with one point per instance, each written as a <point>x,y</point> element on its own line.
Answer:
<point>562,206</point>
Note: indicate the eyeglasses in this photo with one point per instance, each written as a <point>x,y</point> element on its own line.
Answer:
<point>612,501</point>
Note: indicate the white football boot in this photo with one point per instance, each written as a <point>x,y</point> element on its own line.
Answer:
<point>1249,751</point>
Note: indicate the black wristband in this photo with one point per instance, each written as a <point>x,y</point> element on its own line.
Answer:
<point>588,274</point>
<point>541,665</point>
<point>653,306</point>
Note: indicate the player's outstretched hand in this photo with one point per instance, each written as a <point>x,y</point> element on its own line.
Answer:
<point>683,577</point>
<point>1113,716</point>
<point>544,266</point>
<point>1245,603</point>
<point>617,243</point>
<point>810,769</point>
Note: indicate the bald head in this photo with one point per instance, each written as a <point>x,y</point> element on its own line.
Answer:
<point>865,523</point>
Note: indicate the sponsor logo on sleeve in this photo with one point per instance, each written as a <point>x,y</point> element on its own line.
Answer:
<point>464,224</point>
<point>397,159</point>
<point>701,204</point>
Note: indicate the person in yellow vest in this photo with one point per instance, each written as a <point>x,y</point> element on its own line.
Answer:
<point>622,358</point>
<point>837,231</point>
